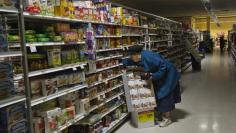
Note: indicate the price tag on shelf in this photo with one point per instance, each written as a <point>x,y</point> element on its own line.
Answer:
<point>74,69</point>
<point>170,44</point>
<point>82,66</point>
<point>123,48</point>
<point>119,97</point>
<point>32,48</point>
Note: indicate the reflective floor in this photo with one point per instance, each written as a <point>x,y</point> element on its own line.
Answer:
<point>209,100</point>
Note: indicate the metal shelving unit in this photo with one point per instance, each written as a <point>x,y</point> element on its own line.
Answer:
<point>11,101</point>
<point>38,44</point>
<point>60,93</point>
<point>56,69</point>
<point>10,54</point>
<point>116,123</point>
<point>8,10</point>
<point>26,75</point>
<point>110,49</point>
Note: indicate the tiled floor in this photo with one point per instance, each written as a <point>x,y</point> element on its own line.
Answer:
<point>209,100</point>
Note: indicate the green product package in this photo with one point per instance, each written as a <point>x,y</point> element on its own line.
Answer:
<point>13,38</point>
<point>29,32</point>
<point>57,38</point>
<point>31,40</point>
<point>43,39</point>
<point>36,56</point>
<point>29,36</point>
<point>41,35</point>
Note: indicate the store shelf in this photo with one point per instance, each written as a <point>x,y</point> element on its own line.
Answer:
<point>162,28</point>
<point>145,42</point>
<point>71,122</point>
<point>108,36</point>
<point>179,45</point>
<point>175,57</point>
<point>37,44</point>
<point>57,94</point>
<point>103,69</point>
<point>134,26</point>
<point>105,50</point>
<point>152,28</point>
<point>151,34</point>
<point>56,69</point>
<point>81,116</point>
<point>176,51</point>
<point>109,57</point>
<point>57,18</point>
<point>104,80</point>
<point>18,77</point>
<point>162,51</point>
<point>233,50</point>
<point>116,123</point>
<point>106,101</point>
<point>106,68</point>
<point>111,110</point>
<point>160,46</point>
<point>126,57</point>
<point>186,66</point>
<point>106,91</point>
<point>12,100</point>
<point>127,46</point>
<point>132,35</point>
<point>10,54</point>
<point>176,30</point>
<point>233,53</point>
<point>160,41</point>
<point>8,10</point>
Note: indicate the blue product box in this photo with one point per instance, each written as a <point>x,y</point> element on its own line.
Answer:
<point>3,43</point>
<point>6,70</point>
<point>19,127</point>
<point>12,114</point>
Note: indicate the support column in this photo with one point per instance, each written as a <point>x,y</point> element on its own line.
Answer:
<point>208,23</point>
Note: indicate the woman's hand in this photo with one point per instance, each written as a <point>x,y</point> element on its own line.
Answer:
<point>146,76</point>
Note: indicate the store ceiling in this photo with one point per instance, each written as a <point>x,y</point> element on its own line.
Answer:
<point>172,8</point>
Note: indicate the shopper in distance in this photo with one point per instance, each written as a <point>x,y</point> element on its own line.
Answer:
<point>165,79</point>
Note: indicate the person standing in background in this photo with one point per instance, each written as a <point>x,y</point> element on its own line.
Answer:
<point>222,43</point>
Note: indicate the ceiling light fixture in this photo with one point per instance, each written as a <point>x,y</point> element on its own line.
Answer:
<point>208,6</point>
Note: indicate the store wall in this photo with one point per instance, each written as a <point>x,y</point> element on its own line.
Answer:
<point>226,24</point>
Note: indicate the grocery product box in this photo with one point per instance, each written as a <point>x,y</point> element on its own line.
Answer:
<point>49,86</point>
<point>54,57</point>
<point>38,125</point>
<point>140,99</point>
<point>18,127</point>
<point>8,3</point>
<point>50,120</point>
<point>143,119</point>
<point>12,114</point>
<point>36,88</point>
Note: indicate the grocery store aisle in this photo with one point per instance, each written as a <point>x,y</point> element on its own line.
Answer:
<point>209,99</point>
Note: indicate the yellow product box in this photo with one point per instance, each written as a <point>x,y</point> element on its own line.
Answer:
<point>62,8</point>
<point>54,57</point>
<point>143,119</point>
